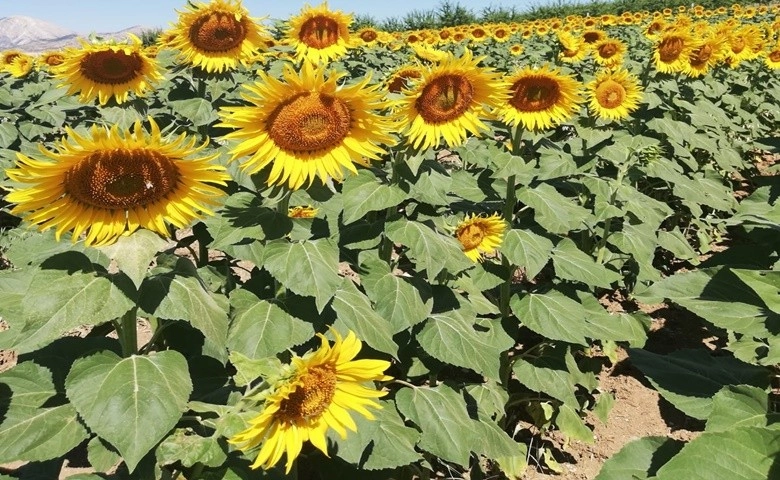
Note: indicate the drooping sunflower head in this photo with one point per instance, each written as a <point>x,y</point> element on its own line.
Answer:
<point>573,49</point>
<point>108,70</point>
<point>449,102</point>
<point>51,59</point>
<point>428,53</point>
<point>216,36</point>
<point>614,94</point>
<point>402,77</point>
<point>480,235</point>
<point>319,34</point>
<point>772,59</point>
<point>540,98</point>
<point>609,52</point>
<point>306,126</point>
<point>743,43</point>
<point>111,182</point>
<point>672,49</point>
<point>705,55</point>
<point>21,66</point>
<point>318,392</point>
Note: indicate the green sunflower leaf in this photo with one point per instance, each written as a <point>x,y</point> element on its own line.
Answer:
<point>395,298</point>
<point>527,250</point>
<point>362,193</point>
<point>431,251</point>
<point>37,434</point>
<point>553,211</point>
<point>354,312</point>
<point>145,396</point>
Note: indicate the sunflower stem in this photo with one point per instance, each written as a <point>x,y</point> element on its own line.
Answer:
<point>602,245</point>
<point>127,332</point>
<point>505,292</point>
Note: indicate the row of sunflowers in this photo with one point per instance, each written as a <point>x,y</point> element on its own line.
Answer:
<point>456,200</point>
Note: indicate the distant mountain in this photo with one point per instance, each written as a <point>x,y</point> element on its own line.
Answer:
<point>32,35</point>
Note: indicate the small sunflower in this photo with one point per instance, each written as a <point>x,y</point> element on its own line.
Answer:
<point>609,52</point>
<point>111,182</point>
<point>7,56</point>
<point>515,49</point>
<point>428,53</point>
<point>306,126</point>
<point>672,49</point>
<point>592,36</point>
<point>316,392</point>
<point>319,34</point>
<point>480,235</point>
<point>367,36</point>
<point>540,98</point>
<point>402,77</point>
<point>449,102</point>
<point>772,59</point>
<point>20,66</point>
<point>216,36</point>
<point>51,59</point>
<point>108,70</point>
<point>302,211</point>
<point>614,94</point>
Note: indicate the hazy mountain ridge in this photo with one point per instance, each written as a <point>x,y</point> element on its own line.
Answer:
<point>32,35</point>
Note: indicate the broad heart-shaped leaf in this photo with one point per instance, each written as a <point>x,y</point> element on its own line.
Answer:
<point>528,250</point>
<point>180,297</point>
<point>384,442</point>
<point>573,264</point>
<point>199,111</point>
<point>307,268</point>
<point>455,337</point>
<point>571,425</point>
<point>134,253</point>
<point>640,459</point>
<point>397,300</point>
<point>547,374</point>
<point>719,296</point>
<point>447,431</point>
<point>740,406</point>
<point>553,211</point>
<point>362,193</point>
<point>689,379</point>
<point>430,250</point>
<point>133,402</point>
<point>26,384</point>
<point>766,284</point>
<point>56,301</point>
<point>261,329</point>
<point>37,434</point>
<point>558,317</point>
<point>354,312</point>
<point>746,453</point>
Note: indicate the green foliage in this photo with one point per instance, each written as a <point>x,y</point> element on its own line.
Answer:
<point>487,358</point>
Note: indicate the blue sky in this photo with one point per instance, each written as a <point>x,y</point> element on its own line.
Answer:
<point>85,16</point>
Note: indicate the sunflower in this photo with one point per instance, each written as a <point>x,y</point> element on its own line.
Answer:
<point>515,49</point>
<point>704,55</point>
<point>312,394</point>
<point>672,49</point>
<point>614,94</point>
<point>7,56</point>
<point>302,211</point>
<point>20,66</point>
<point>500,33</point>
<point>573,49</point>
<point>609,52</point>
<point>306,126</point>
<point>402,76</point>
<point>772,59</point>
<point>51,58</point>
<point>319,34</point>
<point>111,182</point>
<point>743,43</point>
<point>593,35</point>
<point>449,101</point>
<point>216,36</point>
<point>480,235</point>
<point>477,34</point>
<point>540,98</point>
<point>108,70</point>
<point>367,36</point>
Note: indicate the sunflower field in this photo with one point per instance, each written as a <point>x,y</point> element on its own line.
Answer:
<point>312,251</point>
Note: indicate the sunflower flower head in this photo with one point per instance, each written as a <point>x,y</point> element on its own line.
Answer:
<point>306,126</point>
<point>449,102</point>
<point>316,393</point>
<point>480,235</point>
<point>108,70</point>
<point>216,36</point>
<point>319,34</point>
<point>540,98</point>
<point>111,182</point>
<point>614,94</point>
<point>21,66</point>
